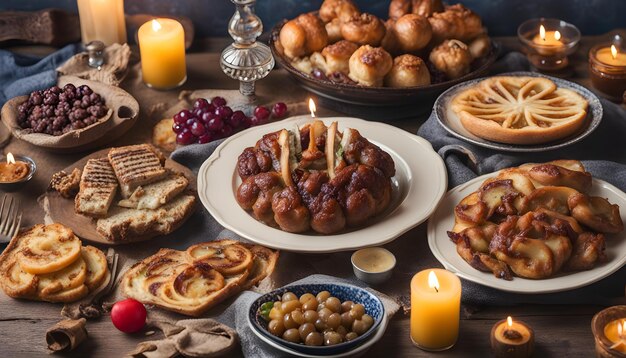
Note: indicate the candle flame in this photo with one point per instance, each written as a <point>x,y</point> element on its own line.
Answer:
<point>614,51</point>
<point>509,321</point>
<point>621,330</point>
<point>542,32</point>
<point>433,282</point>
<point>156,26</point>
<point>10,158</point>
<point>557,35</point>
<point>312,107</point>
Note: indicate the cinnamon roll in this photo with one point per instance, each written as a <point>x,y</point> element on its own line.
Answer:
<point>369,65</point>
<point>303,36</point>
<point>338,56</point>
<point>365,29</point>
<point>338,9</point>
<point>408,71</point>
<point>452,57</point>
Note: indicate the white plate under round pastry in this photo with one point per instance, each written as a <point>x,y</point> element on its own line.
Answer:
<point>417,187</point>
<point>356,352</point>
<point>451,122</point>
<point>445,250</point>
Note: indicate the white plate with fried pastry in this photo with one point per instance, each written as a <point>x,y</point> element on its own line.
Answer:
<point>418,185</point>
<point>443,220</point>
<point>570,132</point>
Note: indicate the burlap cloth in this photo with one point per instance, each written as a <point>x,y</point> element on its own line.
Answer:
<point>112,72</point>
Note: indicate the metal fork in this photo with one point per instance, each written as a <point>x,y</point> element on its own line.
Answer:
<point>10,218</point>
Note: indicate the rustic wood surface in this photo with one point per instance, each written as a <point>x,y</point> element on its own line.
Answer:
<point>561,330</point>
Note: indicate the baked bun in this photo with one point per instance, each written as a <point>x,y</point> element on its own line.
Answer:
<point>320,179</point>
<point>338,9</point>
<point>338,56</point>
<point>456,22</point>
<point>399,8</point>
<point>303,35</point>
<point>520,110</point>
<point>412,32</point>
<point>390,41</point>
<point>480,46</point>
<point>408,71</point>
<point>364,29</point>
<point>452,57</point>
<point>333,29</point>
<point>369,65</point>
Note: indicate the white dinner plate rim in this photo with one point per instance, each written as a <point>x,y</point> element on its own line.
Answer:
<point>565,282</point>
<point>410,212</point>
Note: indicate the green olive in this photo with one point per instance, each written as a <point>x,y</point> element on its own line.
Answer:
<point>306,297</point>
<point>322,296</point>
<point>368,320</point>
<point>350,336</point>
<point>314,339</point>
<point>333,304</point>
<point>324,313</point>
<point>311,304</point>
<point>342,331</point>
<point>332,338</point>
<point>310,316</point>
<point>347,320</point>
<point>356,312</point>
<point>346,306</point>
<point>334,320</point>
<point>359,327</point>
<point>292,335</point>
<point>276,327</point>
<point>289,322</point>
<point>289,296</point>
<point>305,329</point>
<point>297,316</point>
<point>320,325</point>
<point>289,306</point>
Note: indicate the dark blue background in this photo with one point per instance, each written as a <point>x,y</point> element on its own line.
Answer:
<point>501,16</point>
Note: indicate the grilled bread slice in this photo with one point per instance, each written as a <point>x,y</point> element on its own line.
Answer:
<point>98,186</point>
<point>136,165</point>
<point>153,196</point>
<point>123,224</point>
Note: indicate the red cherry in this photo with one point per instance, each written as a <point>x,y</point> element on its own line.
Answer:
<point>129,315</point>
<point>218,101</point>
<point>178,119</point>
<point>224,112</point>
<point>262,112</point>
<point>177,128</point>
<point>279,110</point>
<point>184,115</point>
<point>237,119</point>
<point>215,124</point>
<point>200,103</point>
<point>197,129</point>
<point>185,137</point>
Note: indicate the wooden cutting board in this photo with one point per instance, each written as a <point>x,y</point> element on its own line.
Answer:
<point>61,210</point>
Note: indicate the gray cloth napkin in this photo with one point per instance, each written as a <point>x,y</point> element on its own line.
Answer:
<point>603,154</point>
<point>20,74</point>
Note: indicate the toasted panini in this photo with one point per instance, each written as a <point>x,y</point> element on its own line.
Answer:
<point>155,195</point>
<point>98,186</point>
<point>123,224</point>
<point>136,165</point>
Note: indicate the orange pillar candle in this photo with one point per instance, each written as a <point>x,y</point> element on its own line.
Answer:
<point>102,20</point>
<point>162,48</point>
<point>435,309</point>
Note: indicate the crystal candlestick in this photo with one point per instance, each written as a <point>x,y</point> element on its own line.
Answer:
<point>246,60</point>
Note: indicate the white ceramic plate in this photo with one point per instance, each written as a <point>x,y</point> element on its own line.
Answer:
<point>418,186</point>
<point>452,123</point>
<point>358,351</point>
<point>445,251</point>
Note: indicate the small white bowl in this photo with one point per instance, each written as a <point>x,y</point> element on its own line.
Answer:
<point>373,265</point>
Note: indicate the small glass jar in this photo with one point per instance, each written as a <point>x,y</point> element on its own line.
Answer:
<point>548,53</point>
<point>609,79</point>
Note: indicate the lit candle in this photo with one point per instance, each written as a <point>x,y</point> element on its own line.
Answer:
<point>435,309</point>
<point>312,107</point>
<point>512,339</point>
<point>13,170</point>
<point>611,56</point>
<point>548,38</point>
<point>102,20</point>
<point>615,331</point>
<point>162,48</point>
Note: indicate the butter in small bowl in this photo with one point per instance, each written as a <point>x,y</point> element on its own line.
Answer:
<point>373,265</point>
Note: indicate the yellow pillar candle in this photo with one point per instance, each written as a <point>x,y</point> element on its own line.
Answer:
<point>162,48</point>
<point>435,309</point>
<point>102,20</point>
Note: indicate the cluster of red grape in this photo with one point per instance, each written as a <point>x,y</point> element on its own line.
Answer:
<point>208,121</point>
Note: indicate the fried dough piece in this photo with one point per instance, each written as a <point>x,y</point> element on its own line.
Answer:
<point>588,250</point>
<point>554,175</point>
<point>553,198</point>
<point>596,213</point>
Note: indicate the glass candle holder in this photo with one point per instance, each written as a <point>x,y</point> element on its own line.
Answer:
<point>548,42</point>
<point>102,21</point>
<point>607,69</point>
<point>604,327</point>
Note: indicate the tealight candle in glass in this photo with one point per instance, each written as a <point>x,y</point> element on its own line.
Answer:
<point>608,328</point>
<point>607,68</point>
<point>548,42</point>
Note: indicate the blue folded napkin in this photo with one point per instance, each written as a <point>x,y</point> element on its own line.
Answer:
<point>603,153</point>
<point>21,74</point>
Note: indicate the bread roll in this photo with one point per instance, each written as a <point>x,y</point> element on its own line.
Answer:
<point>408,71</point>
<point>365,29</point>
<point>452,57</point>
<point>413,32</point>
<point>369,65</point>
<point>399,8</point>
<point>456,22</point>
<point>303,36</point>
<point>333,29</point>
<point>338,56</point>
<point>338,9</point>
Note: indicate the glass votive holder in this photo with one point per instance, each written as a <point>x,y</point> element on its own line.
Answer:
<point>548,42</point>
<point>607,69</point>
<point>604,327</point>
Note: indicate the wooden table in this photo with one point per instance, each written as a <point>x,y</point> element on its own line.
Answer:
<point>561,330</point>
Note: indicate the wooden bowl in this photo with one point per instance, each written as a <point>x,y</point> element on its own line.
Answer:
<point>377,96</point>
<point>122,114</point>
<point>61,210</point>
<point>599,321</point>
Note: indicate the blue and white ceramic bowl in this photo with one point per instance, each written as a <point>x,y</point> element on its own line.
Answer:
<point>373,307</point>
